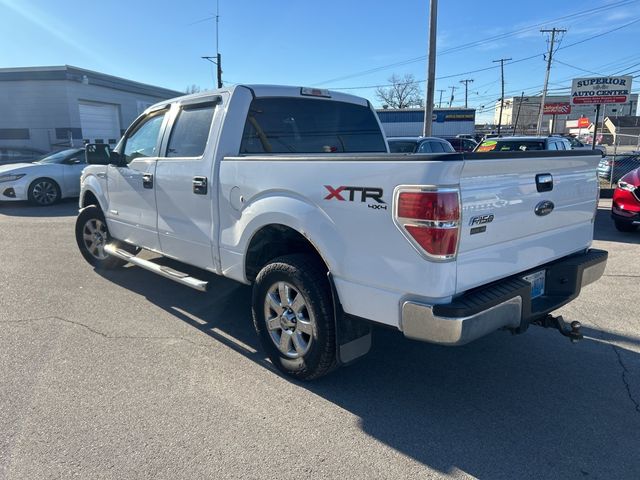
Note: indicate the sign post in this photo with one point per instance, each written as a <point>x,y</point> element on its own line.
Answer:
<point>598,91</point>
<point>553,109</point>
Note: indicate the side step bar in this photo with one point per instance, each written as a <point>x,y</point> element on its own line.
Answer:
<point>166,272</point>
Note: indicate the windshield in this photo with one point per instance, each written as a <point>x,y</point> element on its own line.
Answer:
<point>510,146</point>
<point>402,146</point>
<point>60,156</point>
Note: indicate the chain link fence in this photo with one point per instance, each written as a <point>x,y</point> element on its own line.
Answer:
<point>623,156</point>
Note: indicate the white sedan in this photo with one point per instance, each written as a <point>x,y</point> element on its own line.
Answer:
<point>45,181</point>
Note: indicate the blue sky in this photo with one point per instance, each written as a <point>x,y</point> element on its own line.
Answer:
<point>330,44</point>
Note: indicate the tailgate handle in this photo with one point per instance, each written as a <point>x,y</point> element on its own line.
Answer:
<point>544,182</point>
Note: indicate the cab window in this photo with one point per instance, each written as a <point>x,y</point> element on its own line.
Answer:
<point>191,131</point>
<point>142,141</point>
<point>305,125</point>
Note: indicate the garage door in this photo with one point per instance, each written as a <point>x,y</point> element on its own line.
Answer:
<point>100,122</point>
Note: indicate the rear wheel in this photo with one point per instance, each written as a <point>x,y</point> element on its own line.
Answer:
<point>92,234</point>
<point>625,226</point>
<point>293,316</point>
<point>44,192</point>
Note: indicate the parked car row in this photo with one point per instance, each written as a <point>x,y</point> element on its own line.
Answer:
<point>613,168</point>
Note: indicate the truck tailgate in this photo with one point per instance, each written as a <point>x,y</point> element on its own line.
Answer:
<point>511,220</point>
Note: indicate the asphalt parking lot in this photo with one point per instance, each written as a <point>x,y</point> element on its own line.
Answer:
<point>127,375</point>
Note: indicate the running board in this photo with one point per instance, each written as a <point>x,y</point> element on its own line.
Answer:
<point>166,272</point>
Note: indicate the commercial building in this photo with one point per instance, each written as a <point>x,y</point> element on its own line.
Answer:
<point>526,111</point>
<point>409,122</point>
<point>52,107</point>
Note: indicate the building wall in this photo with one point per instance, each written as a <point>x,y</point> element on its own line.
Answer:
<point>528,117</point>
<point>48,109</point>
<point>410,122</point>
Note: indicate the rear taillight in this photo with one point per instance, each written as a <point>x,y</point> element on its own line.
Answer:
<point>430,219</point>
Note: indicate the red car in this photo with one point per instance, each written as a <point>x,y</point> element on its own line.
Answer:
<point>625,209</point>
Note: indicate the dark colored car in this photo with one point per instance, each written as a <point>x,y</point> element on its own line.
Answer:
<point>461,144</point>
<point>419,145</point>
<point>621,165</point>
<point>19,155</point>
<point>625,209</point>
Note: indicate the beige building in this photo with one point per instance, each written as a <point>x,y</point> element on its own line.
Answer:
<point>530,106</point>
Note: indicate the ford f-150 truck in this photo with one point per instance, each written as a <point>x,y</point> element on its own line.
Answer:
<point>293,190</point>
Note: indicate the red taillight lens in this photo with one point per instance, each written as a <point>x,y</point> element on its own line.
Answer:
<point>436,206</point>
<point>436,241</point>
<point>430,219</point>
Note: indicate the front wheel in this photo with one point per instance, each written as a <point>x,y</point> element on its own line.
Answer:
<point>293,316</point>
<point>92,235</point>
<point>43,192</point>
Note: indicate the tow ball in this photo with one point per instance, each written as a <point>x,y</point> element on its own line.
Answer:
<point>572,330</point>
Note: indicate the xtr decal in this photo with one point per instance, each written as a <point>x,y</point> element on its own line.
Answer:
<point>372,193</point>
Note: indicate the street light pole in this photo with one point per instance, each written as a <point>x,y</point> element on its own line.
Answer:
<point>431,69</point>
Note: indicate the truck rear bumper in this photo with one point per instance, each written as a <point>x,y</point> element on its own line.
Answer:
<point>503,304</point>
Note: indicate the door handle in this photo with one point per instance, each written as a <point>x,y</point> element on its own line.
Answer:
<point>200,185</point>
<point>147,180</point>
<point>544,182</point>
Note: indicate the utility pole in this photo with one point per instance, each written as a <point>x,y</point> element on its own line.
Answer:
<point>431,69</point>
<point>515,124</point>
<point>553,32</point>
<point>218,58</point>
<point>501,60</point>
<point>440,101</point>
<point>453,89</point>
<point>466,82</point>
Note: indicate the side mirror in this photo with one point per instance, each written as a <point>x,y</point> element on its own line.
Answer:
<point>101,154</point>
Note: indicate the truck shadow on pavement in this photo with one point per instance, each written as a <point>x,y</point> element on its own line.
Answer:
<point>528,406</point>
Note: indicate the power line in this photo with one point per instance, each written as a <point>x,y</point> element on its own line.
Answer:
<point>524,59</point>
<point>465,46</point>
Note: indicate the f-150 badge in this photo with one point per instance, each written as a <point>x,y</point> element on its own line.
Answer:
<point>481,219</point>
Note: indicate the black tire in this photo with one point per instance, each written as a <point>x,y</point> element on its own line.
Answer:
<point>308,277</point>
<point>92,215</point>
<point>44,192</point>
<point>625,226</point>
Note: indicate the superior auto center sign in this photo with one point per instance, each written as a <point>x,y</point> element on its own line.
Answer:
<point>600,90</point>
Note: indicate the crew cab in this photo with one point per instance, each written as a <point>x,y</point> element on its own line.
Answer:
<point>293,191</point>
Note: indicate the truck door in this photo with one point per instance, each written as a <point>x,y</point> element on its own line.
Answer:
<point>131,214</point>
<point>185,189</point>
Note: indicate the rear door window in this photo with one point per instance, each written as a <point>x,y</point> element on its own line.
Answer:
<point>437,147</point>
<point>304,125</point>
<point>191,131</point>
<point>425,147</point>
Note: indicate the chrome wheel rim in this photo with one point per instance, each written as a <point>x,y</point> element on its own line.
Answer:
<point>94,236</point>
<point>45,192</point>
<point>290,324</point>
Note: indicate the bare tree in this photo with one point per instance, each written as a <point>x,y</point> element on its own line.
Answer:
<point>192,89</point>
<point>404,92</point>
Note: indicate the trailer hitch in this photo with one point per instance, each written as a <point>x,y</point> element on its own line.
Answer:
<point>572,330</point>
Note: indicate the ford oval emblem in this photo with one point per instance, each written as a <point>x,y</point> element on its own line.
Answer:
<point>544,208</point>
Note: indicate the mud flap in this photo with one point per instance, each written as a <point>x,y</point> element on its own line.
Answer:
<point>353,334</point>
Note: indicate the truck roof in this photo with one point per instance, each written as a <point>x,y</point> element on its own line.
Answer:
<point>269,91</point>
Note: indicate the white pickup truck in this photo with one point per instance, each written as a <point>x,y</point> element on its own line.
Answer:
<point>292,190</point>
